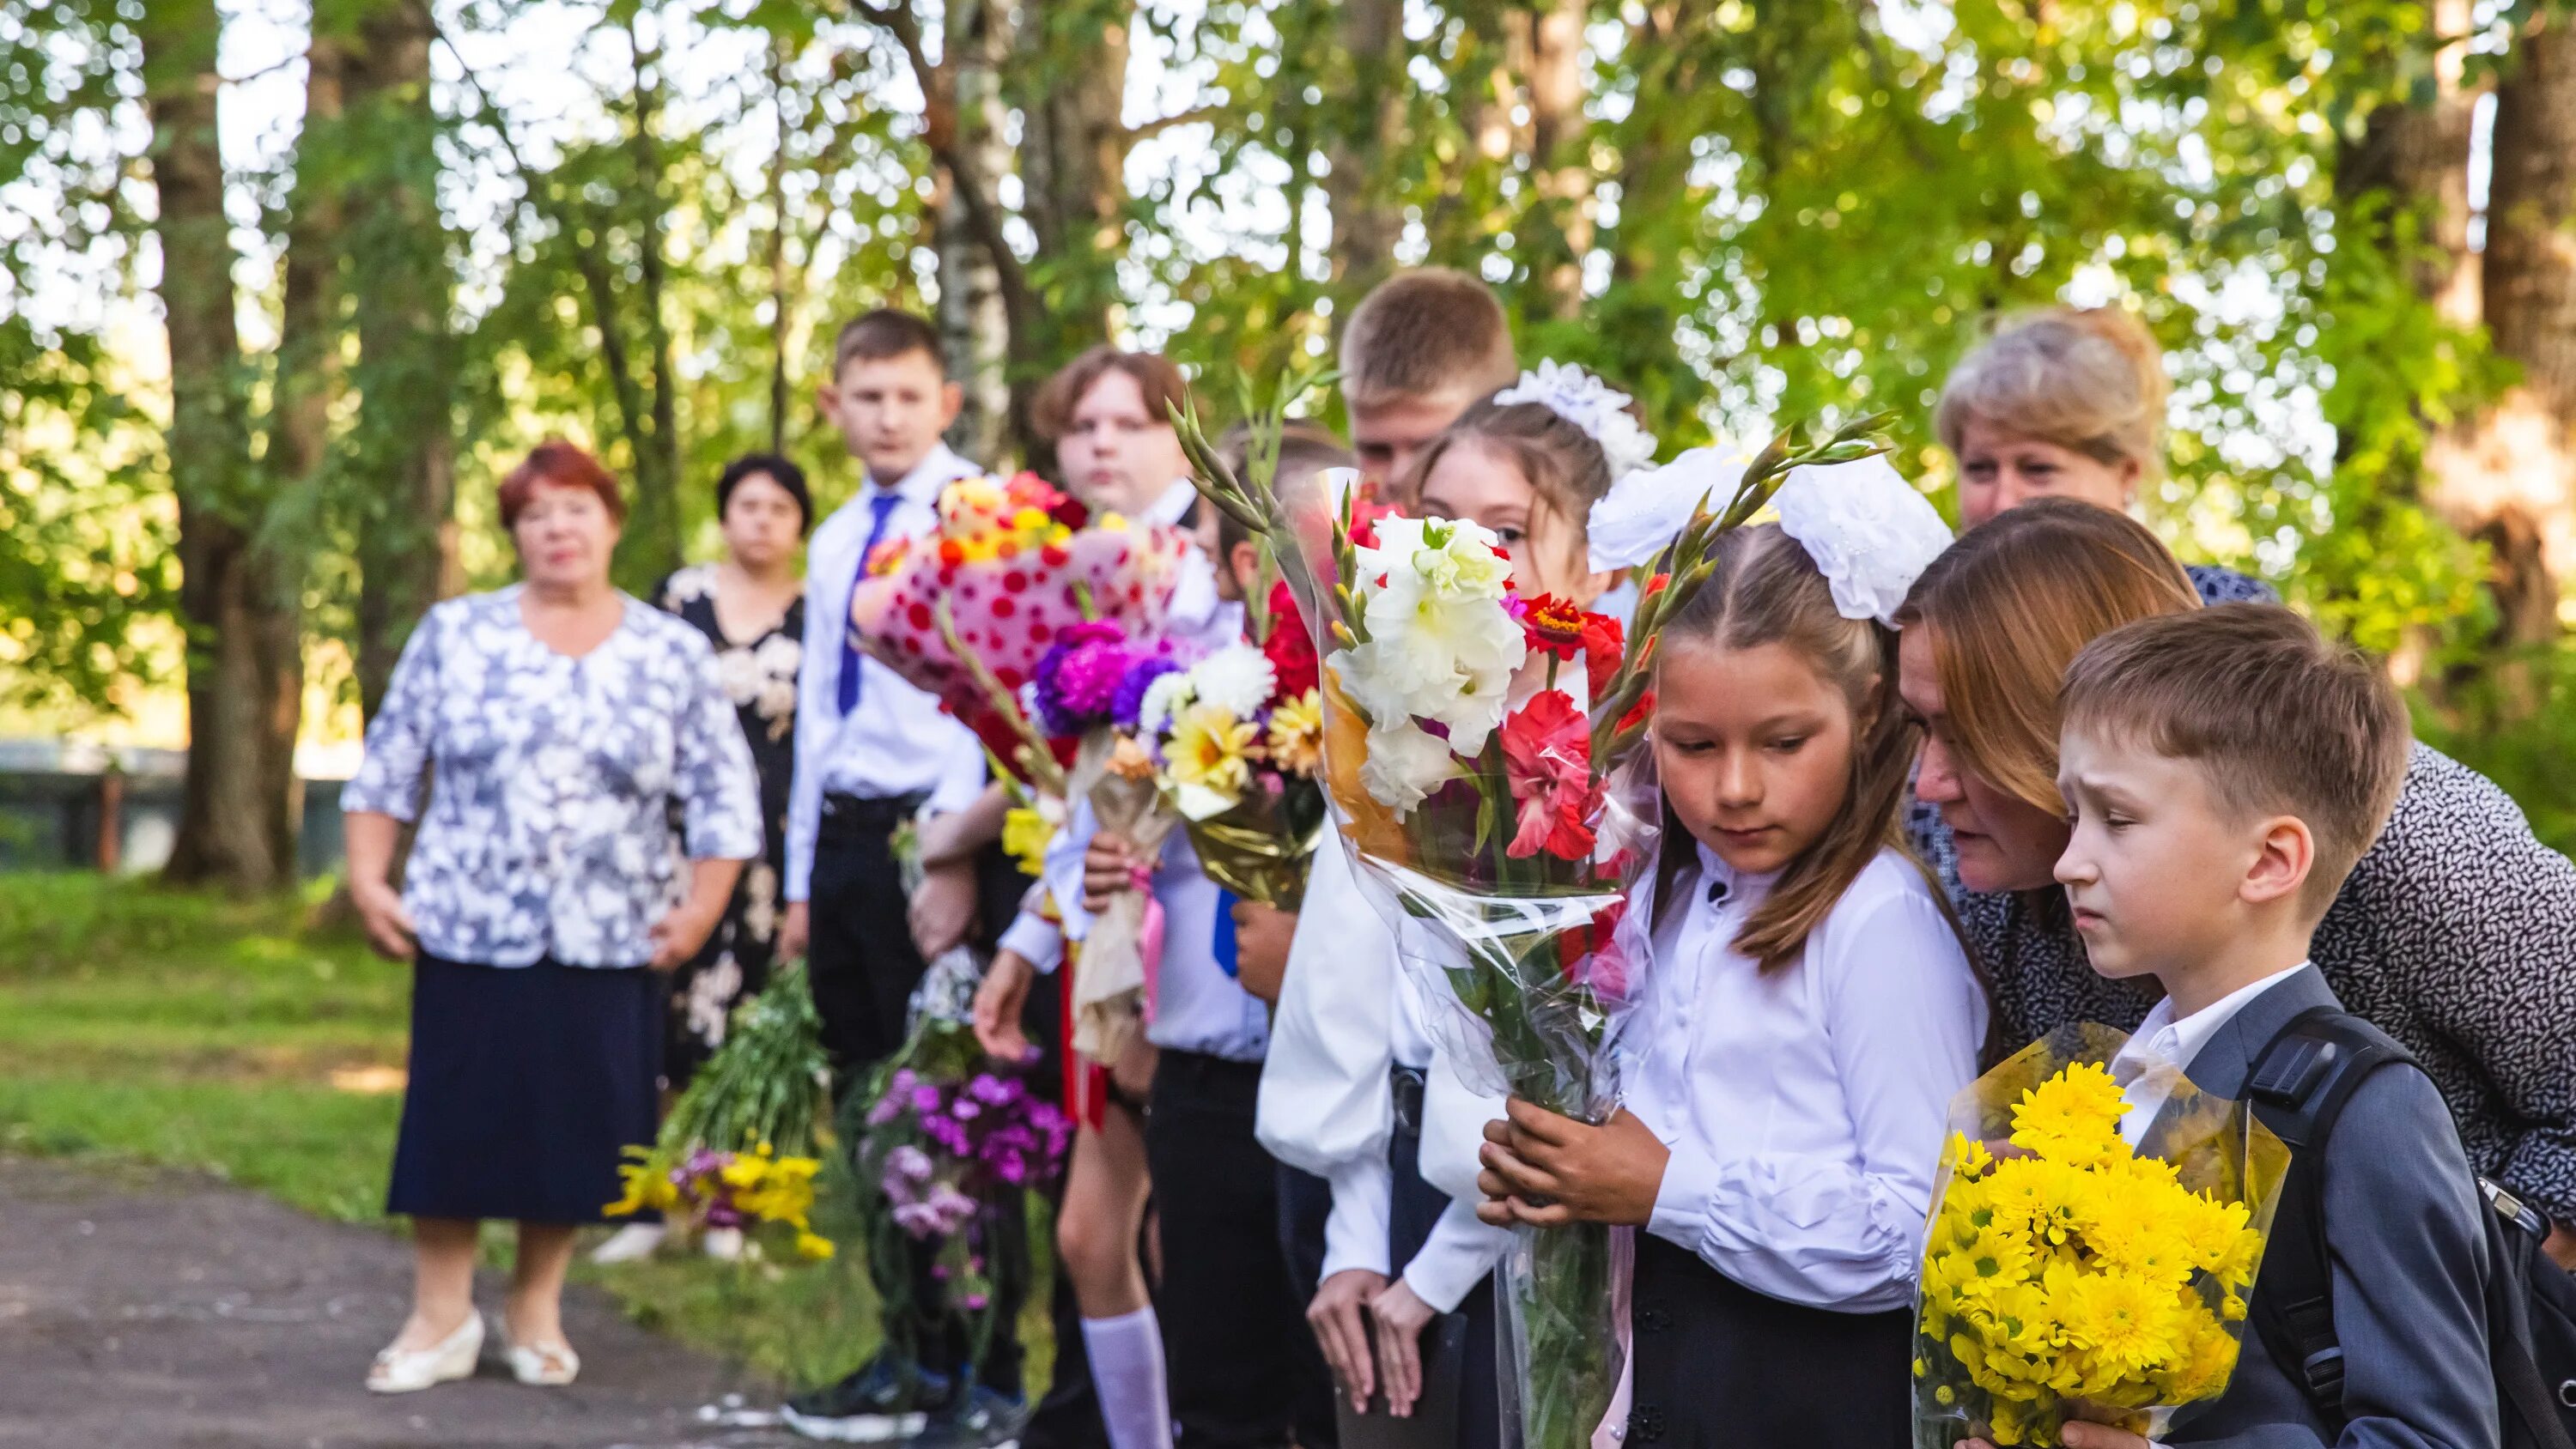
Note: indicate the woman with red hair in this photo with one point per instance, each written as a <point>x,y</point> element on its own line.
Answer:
<point>555,721</point>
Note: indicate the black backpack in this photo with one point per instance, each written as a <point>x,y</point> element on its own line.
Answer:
<point>2300,1083</point>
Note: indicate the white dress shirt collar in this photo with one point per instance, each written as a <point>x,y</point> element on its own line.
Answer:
<point>1170,505</point>
<point>2156,1055</point>
<point>937,469</point>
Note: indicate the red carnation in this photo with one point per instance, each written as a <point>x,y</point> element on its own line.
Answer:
<point>1290,649</point>
<point>1547,755</point>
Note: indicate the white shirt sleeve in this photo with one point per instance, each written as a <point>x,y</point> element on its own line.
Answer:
<point>1461,1250</point>
<point>1903,1017</point>
<point>1358,1232</point>
<point>818,713</point>
<point>1325,1099</point>
<point>962,774</point>
<point>1453,1128</point>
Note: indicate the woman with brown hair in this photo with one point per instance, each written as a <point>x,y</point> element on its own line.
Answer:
<point>553,726</point>
<point>2456,933</point>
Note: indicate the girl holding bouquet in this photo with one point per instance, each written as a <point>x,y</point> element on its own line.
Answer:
<point>1345,1089</point>
<point>1809,1013</point>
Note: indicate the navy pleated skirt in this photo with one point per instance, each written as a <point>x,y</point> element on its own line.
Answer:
<point>526,1084</point>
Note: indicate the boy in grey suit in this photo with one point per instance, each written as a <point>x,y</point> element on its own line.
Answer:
<point>2222,771</point>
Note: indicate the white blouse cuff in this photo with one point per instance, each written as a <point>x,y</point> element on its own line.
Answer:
<point>1461,1250</point>
<point>1037,941</point>
<point>1355,1232</point>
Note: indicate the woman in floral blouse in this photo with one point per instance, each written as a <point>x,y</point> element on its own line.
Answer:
<point>557,721</point>
<point>751,608</point>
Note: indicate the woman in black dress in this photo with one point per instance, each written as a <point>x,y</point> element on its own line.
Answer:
<point>751,607</point>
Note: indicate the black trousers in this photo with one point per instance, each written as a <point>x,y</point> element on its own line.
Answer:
<point>1244,1370</point>
<point>1415,1208</point>
<point>1718,1364</point>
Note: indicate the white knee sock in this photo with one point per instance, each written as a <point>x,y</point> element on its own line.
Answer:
<point>1127,1368</point>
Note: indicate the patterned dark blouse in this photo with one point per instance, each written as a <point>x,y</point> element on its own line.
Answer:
<point>759,678</point>
<point>2456,934</point>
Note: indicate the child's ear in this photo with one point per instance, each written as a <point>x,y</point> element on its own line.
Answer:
<point>2283,856</point>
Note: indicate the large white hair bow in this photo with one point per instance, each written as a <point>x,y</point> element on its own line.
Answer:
<point>1870,533</point>
<point>1599,409</point>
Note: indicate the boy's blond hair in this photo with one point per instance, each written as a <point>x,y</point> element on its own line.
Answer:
<point>1423,333</point>
<point>2278,719</point>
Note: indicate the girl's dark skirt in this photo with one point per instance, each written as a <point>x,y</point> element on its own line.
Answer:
<point>1718,1364</point>
<point>527,1082</point>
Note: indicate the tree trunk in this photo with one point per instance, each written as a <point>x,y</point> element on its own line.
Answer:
<point>2521,499</point>
<point>1560,166</point>
<point>1073,160</point>
<point>236,825</point>
<point>974,327</point>
<point>403,455</point>
<point>651,544</point>
<point>781,277</point>
<point>1365,225</point>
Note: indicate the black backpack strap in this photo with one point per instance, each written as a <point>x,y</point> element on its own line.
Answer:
<point>2515,1233</point>
<point>2298,1087</point>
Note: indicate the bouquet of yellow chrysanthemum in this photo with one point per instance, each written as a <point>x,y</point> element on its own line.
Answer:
<point>2073,1273</point>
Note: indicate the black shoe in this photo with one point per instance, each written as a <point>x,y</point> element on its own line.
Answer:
<point>987,1420</point>
<point>880,1403</point>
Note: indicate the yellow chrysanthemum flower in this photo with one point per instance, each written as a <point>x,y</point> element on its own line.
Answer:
<point>814,1246</point>
<point>1968,1156</point>
<point>2125,1323</point>
<point>1296,742</point>
<point>2073,1117</point>
<point>1206,750</point>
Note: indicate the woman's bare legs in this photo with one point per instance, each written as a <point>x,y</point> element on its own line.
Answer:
<point>442,1291</point>
<point>533,1316</point>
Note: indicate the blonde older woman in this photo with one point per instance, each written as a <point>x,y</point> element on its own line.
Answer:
<point>559,718</point>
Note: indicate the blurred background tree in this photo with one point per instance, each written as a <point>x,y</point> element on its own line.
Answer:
<point>285,286</point>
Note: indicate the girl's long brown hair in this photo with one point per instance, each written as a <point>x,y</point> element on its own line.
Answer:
<point>1766,590</point>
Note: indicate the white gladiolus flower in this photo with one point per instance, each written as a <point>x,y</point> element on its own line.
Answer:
<point>1404,764</point>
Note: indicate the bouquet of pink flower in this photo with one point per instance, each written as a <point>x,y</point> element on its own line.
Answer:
<point>1482,752</point>
<point>1014,567</point>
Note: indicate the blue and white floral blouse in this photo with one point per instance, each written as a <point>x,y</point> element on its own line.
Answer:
<point>548,829</point>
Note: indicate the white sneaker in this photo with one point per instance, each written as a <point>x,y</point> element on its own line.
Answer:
<point>631,1243</point>
<point>723,1244</point>
<point>408,1370</point>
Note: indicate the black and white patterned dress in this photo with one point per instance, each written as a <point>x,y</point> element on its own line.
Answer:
<point>759,678</point>
<point>2455,934</point>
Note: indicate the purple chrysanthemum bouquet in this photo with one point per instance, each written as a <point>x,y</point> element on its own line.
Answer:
<point>941,1155</point>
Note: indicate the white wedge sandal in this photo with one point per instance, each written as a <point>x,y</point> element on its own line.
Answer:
<point>548,1366</point>
<point>409,1370</point>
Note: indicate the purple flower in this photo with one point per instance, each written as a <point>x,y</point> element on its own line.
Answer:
<point>918,1218</point>
<point>909,1161</point>
<point>964,1109</point>
<point>975,1302</point>
<point>925,1100</point>
<point>1078,677</point>
<point>1130,699</point>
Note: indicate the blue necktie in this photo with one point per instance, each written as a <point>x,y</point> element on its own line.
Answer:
<point>1224,946</point>
<point>881,507</point>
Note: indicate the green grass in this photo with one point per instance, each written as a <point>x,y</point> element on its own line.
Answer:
<point>222,1036</point>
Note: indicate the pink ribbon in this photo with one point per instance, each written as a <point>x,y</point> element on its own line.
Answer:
<point>1149,940</point>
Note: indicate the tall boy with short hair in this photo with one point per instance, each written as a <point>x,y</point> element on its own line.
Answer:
<point>871,751</point>
<point>1418,349</point>
<point>2223,770</point>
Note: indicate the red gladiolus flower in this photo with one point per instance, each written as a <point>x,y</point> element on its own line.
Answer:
<point>1592,956</point>
<point>1654,586</point>
<point>1554,625</point>
<point>1069,511</point>
<point>1547,756</point>
<point>1364,516</point>
<point>1638,713</point>
<point>1604,641</point>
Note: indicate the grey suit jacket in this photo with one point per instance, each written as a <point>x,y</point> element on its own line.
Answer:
<point>2410,1265</point>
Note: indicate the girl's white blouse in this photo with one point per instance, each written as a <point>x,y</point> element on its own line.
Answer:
<point>1804,1108</point>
